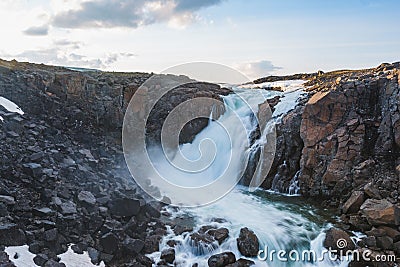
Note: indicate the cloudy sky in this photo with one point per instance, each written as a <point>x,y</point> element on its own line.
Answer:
<point>258,37</point>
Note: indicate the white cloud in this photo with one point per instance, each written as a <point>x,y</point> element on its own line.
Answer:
<point>257,69</point>
<point>127,13</point>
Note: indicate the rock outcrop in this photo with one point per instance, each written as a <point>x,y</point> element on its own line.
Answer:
<point>341,145</point>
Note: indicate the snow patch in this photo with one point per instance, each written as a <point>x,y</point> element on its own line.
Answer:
<point>10,106</point>
<point>72,259</point>
<point>22,257</point>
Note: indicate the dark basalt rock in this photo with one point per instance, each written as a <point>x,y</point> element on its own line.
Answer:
<point>168,255</point>
<point>222,259</point>
<point>11,235</point>
<point>248,243</point>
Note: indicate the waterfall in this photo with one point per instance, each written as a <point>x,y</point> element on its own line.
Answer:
<point>278,222</point>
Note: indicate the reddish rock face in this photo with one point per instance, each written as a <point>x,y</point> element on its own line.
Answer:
<point>351,123</point>
<point>380,212</point>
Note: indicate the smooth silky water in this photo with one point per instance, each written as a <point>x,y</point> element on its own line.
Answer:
<point>281,222</point>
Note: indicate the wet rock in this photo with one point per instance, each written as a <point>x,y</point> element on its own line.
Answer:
<point>146,261</point>
<point>11,235</point>
<point>339,240</point>
<point>180,229</point>
<point>152,243</point>
<point>222,259</point>
<point>353,204</point>
<point>248,243</point>
<point>86,197</point>
<point>202,242</point>
<point>125,207</point>
<point>168,255</point>
<point>220,234</point>
<point>380,212</point>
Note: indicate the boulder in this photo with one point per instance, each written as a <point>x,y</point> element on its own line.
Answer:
<point>380,212</point>
<point>125,207</point>
<point>152,243</point>
<point>11,235</point>
<point>372,191</point>
<point>67,208</point>
<point>248,243</point>
<point>168,255</point>
<point>50,235</point>
<point>86,197</point>
<point>219,235</point>
<point>337,239</point>
<point>222,259</point>
<point>109,242</point>
<point>133,246</point>
<point>353,204</point>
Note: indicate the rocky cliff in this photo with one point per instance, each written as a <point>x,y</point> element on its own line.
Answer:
<point>63,178</point>
<point>342,141</point>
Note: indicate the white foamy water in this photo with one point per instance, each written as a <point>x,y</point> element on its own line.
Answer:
<point>278,224</point>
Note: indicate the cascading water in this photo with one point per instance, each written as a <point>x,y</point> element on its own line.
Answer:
<point>278,221</point>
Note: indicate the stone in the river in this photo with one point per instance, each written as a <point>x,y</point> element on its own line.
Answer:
<point>337,239</point>
<point>168,255</point>
<point>146,261</point>
<point>248,243</point>
<point>222,259</point>
<point>380,212</point>
<point>353,204</point>
<point>220,234</point>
